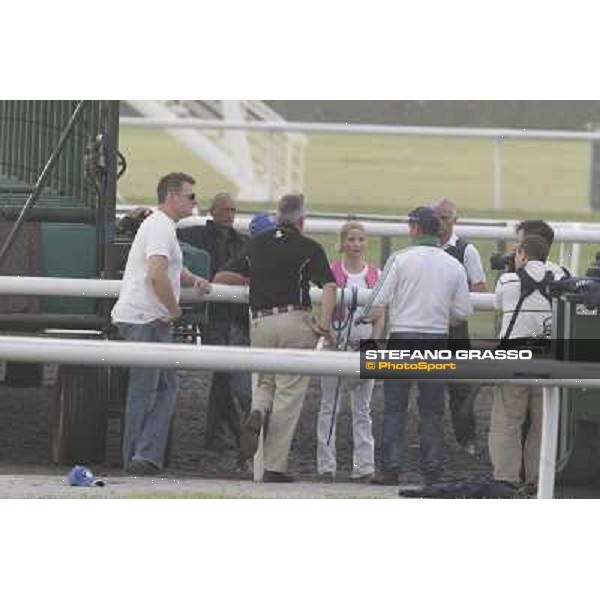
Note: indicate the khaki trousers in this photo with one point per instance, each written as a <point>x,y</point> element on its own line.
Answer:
<point>281,394</point>
<point>509,410</point>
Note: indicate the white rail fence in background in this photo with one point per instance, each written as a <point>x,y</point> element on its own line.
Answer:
<point>577,234</point>
<point>496,134</point>
<point>109,288</point>
<point>569,235</point>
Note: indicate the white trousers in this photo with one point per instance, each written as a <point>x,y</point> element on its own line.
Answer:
<point>363,455</point>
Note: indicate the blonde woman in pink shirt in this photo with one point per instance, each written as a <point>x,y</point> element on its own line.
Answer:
<point>352,273</point>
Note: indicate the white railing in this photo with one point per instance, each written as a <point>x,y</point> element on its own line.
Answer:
<point>565,231</point>
<point>224,358</point>
<point>497,134</point>
<point>110,288</point>
<point>567,234</point>
<point>282,156</point>
<point>363,129</point>
<point>387,229</point>
<point>569,238</point>
<point>261,166</point>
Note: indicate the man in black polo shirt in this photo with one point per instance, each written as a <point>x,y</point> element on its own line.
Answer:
<point>280,264</point>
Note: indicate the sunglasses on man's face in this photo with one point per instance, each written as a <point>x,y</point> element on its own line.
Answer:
<point>191,196</point>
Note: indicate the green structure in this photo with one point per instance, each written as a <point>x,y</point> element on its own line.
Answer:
<point>58,172</point>
<point>59,165</point>
<point>576,335</point>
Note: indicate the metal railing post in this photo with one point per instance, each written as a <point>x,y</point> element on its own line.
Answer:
<point>551,400</point>
<point>386,249</point>
<point>271,165</point>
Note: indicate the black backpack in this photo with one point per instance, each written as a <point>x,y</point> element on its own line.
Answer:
<point>458,251</point>
<point>528,286</point>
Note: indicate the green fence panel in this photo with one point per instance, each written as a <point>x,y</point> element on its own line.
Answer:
<point>196,260</point>
<point>68,250</point>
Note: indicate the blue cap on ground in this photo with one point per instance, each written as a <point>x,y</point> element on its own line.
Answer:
<point>80,475</point>
<point>262,222</point>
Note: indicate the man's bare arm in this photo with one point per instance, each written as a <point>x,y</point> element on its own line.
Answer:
<point>158,275</point>
<point>200,285</point>
<point>328,300</point>
<point>378,320</point>
<point>480,288</point>
<point>230,278</point>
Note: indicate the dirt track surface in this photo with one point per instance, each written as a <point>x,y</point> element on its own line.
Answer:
<point>26,471</point>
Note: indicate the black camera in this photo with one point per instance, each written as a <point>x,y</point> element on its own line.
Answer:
<point>500,261</point>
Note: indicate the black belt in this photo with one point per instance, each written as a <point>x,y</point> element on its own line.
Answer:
<point>276,310</point>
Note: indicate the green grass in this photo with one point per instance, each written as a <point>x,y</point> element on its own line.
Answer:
<point>362,174</point>
<point>384,174</point>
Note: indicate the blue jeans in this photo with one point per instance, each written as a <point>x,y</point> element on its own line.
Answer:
<point>431,413</point>
<point>151,398</point>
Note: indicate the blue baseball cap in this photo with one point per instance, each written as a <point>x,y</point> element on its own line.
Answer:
<point>262,222</point>
<point>82,476</point>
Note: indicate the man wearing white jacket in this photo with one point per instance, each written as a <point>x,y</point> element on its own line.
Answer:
<point>523,298</point>
<point>425,289</point>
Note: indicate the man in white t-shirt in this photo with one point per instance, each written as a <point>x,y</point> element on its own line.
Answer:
<point>461,396</point>
<point>147,305</point>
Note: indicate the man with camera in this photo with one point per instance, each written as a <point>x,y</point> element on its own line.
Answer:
<point>461,396</point>
<point>522,296</point>
<point>506,262</point>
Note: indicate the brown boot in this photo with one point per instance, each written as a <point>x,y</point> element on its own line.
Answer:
<point>249,435</point>
<point>383,478</point>
<point>277,477</point>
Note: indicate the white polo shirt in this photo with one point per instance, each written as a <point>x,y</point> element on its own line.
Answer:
<point>424,288</point>
<point>472,261</point>
<point>137,301</point>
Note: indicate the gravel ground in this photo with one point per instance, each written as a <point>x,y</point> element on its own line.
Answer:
<point>26,471</point>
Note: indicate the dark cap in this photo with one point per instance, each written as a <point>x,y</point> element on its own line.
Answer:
<point>425,218</point>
